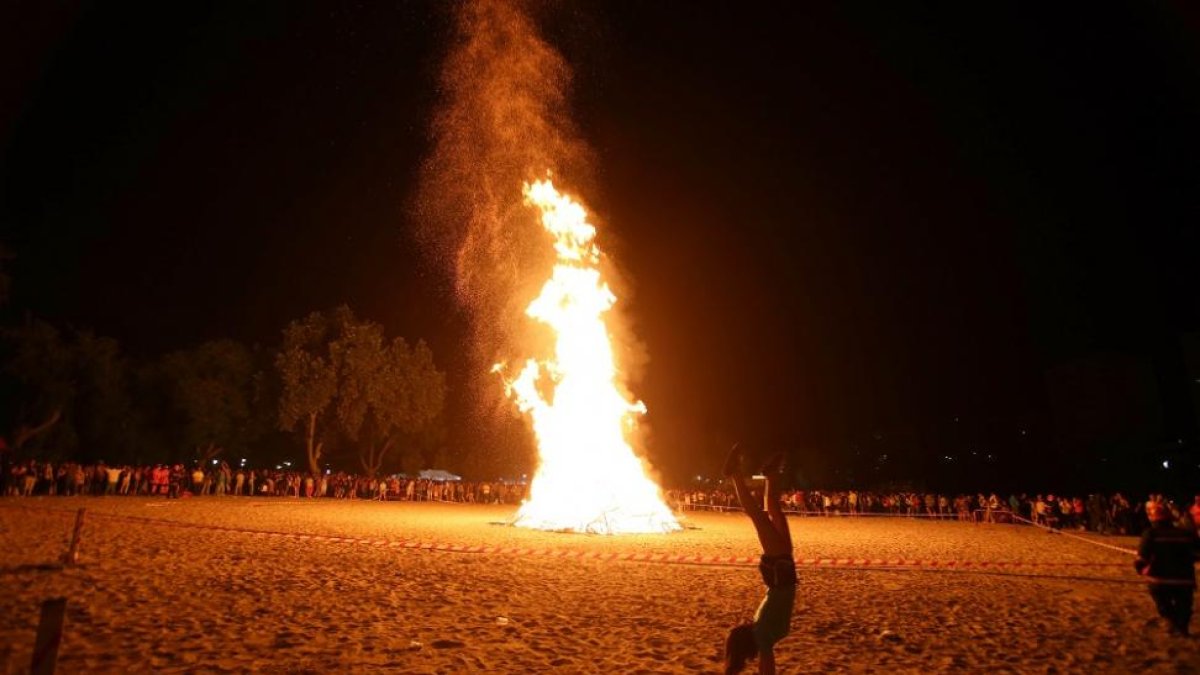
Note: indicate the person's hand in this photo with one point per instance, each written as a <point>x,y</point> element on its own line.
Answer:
<point>733,462</point>
<point>774,464</point>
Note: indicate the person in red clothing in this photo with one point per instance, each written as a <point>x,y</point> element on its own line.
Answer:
<point>1079,512</point>
<point>162,477</point>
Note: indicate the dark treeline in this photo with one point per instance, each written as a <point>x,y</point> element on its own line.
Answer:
<point>336,392</point>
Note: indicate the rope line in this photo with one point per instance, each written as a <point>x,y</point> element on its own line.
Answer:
<point>740,561</point>
<point>1086,540</point>
<point>681,559</point>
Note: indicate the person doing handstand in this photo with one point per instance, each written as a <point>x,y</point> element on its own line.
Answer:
<point>773,618</point>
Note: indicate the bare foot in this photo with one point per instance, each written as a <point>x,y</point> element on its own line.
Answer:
<point>774,464</point>
<point>733,462</point>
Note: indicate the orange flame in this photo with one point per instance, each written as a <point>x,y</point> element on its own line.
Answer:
<point>588,479</point>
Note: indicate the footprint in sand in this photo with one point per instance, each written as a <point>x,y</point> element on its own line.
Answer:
<point>446,644</point>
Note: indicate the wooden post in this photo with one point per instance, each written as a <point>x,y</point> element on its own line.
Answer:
<point>72,555</point>
<point>49,635</point>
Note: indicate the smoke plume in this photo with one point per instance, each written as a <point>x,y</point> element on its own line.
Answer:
<point>502,120</point>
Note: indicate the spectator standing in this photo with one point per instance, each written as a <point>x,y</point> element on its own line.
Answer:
<point>112,475</point>
<point>175,476</point>
<point>99,478</point>
<point>78,479</point>
<point>48,478</point>
<point>1122,514</point>
<point>28,476</point>
<point>1166,556</point>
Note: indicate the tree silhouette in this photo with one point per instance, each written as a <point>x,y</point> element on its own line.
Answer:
<point>341,379</point>
<point>211,389</point>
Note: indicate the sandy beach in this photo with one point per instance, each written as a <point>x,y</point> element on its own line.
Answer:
<point>333,589</point>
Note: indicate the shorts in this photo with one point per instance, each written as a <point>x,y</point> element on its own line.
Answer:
<point>777,570</point>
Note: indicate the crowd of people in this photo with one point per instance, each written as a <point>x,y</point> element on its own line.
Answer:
<point>1113,514</point>
<point>220,479</point>
<point>1097,512</point>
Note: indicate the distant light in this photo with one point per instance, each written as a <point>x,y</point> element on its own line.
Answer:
<point>326,472</point>
<point>1023,432</point>
<point>214,461</point>
<point>1166,463</point>
<point>699,477</point>
<point>277,467</point>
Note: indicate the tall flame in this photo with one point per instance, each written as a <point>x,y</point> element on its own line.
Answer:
<point>588,479</point>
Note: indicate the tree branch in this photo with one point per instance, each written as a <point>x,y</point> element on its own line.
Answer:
<point>24,433</point>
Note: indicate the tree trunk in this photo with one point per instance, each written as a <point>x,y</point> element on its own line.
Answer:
<point>372,459</point>
<point>313,448</point>
<point>209,453</point>
<point>367,459</point>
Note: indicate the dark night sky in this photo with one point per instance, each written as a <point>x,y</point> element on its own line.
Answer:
<point>842,222</point>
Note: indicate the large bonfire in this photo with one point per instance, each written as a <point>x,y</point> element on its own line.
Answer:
<point>589,479</point>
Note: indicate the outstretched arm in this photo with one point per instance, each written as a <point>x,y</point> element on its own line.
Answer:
<point>771,502</point>
<point>775,513</point>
